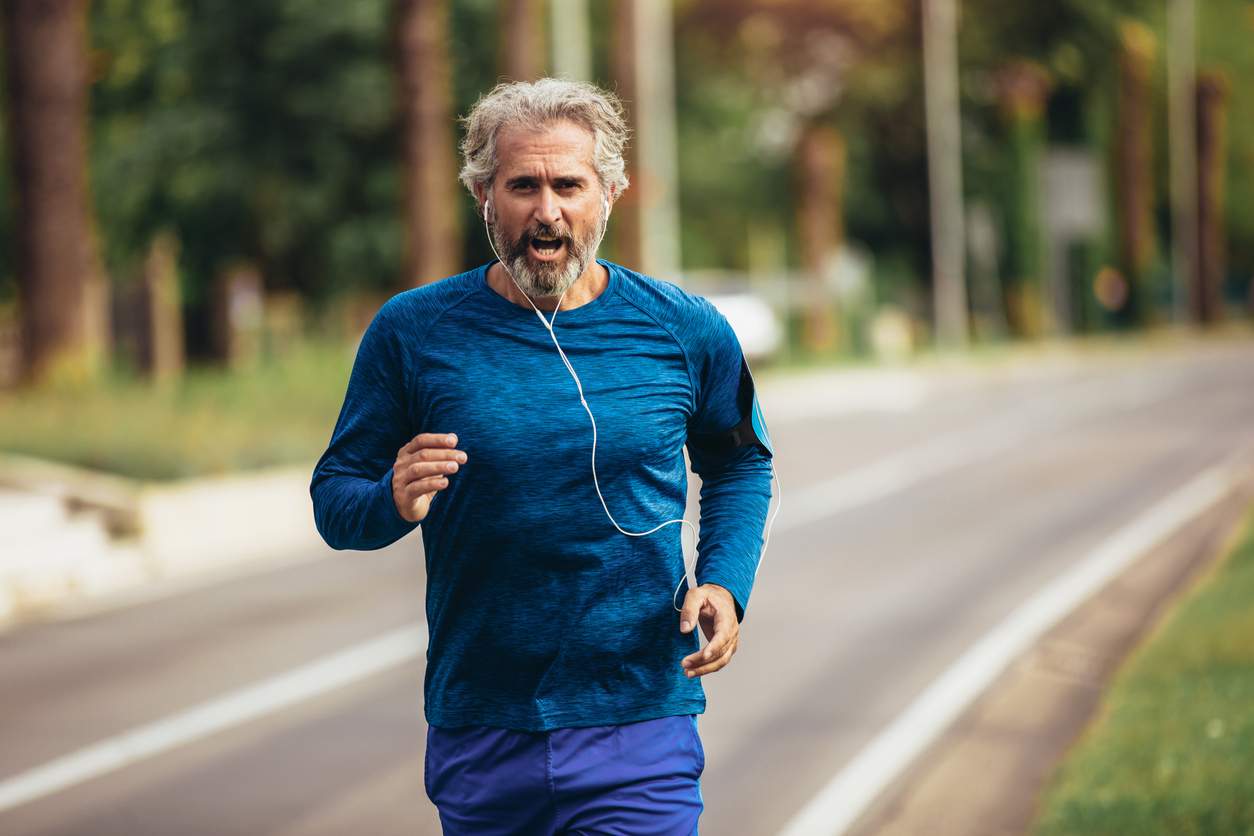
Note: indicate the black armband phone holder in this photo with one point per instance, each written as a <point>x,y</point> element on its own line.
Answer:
<point>752,427</point>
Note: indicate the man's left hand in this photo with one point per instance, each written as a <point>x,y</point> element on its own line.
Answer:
<point>713,607</point>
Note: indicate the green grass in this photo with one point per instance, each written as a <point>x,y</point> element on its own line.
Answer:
<point>211,421</point>
<point>1172,750</point>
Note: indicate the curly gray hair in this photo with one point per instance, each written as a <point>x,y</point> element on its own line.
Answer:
<point>539,103</point>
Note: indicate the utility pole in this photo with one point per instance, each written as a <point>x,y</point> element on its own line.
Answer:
<point>568,28</point>
<point>656,143</point>
<point>1182,136</point>
<point>944,166</point>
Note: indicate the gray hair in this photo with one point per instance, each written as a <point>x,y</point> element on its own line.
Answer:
<point>539,103</point>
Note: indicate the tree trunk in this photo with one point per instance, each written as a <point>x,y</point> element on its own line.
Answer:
<point>60,280</point>
<point>820,225</point>
<point>1212,151</point>
<point>1024,89</point>
<point>628,221</point>
<point>163,310</point>
<point>1134,187</point>
<point>522,39</point>
<point>433,231</point>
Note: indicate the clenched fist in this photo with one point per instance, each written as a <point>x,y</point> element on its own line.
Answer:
<point>423,468</point>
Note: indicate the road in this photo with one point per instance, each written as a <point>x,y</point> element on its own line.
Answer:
<point>908,531</point>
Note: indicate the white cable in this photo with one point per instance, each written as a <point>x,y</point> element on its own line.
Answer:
<point>690,566</point>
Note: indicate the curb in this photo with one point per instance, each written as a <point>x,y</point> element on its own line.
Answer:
<point>130,534</point>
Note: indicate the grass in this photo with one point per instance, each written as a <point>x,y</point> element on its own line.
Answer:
<point>1172,749</point>
<point>211,421</point>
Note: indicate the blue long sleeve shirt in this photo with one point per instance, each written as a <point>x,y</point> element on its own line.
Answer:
<point>540,613</point>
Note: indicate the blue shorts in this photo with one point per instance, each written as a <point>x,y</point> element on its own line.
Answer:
<point>637,779</point>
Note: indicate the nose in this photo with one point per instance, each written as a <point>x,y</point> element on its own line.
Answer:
<point>547,209</point>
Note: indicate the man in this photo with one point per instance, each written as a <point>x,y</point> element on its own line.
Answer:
<point>562,686</point>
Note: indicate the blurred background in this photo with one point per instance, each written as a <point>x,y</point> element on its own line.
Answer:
<point>996,260</point>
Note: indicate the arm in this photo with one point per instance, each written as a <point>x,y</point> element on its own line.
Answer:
<point>735,495</point>
<point>352,482</point>
<point>735,471</point>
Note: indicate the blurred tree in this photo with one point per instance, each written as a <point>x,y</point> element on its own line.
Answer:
<point>1023,91</point>
<point>262,134</point>
<point>522,39</point>
<point>628,220</point>
<point>1073,46</point>
<point>1212,152</point>
<point>1225,32</point>
<point>433,226</point>
<point>1134,199</point>
<point>799,58</point>
<point>59,276</point>
<point>820,227</point>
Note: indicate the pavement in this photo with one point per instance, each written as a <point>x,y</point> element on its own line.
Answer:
<point>914,527</point>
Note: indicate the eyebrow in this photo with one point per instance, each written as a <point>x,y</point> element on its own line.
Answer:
<point>560,180</point>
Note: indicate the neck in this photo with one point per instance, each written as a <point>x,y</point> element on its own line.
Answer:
<point>587,287</point>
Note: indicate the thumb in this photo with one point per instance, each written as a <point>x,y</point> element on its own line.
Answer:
<point>692,608</point>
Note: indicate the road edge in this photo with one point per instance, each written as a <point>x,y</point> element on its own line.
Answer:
<point>985,773</point>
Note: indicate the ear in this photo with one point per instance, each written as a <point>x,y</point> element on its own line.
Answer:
<point>481,197</point>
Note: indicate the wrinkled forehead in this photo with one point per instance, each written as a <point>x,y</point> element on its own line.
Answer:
<point>562,146</point>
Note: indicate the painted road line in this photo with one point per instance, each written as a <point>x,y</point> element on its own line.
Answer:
<point>244,705</point>
<point>839,804</point>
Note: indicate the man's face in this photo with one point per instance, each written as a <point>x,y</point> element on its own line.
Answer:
<point>547,216</point>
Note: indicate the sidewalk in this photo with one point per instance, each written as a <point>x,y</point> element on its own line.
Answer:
<point>75,536</point>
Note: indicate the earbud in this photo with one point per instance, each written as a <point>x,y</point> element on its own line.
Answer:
<point>486,204</point>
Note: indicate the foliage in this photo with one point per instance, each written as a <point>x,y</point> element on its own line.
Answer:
<point>257,131</point>
<point>210,421</point>
<point>268,131</point>
<point>1170,751</point>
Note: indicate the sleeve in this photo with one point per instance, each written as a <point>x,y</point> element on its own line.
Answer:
<point>735,471</point>
<point>352,481</point>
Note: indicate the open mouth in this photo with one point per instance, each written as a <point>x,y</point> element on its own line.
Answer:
<point>546,249</point>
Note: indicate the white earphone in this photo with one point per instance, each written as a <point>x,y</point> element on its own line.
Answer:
<point>689,565</point>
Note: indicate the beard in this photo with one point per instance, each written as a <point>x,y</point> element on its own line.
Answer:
<point>547,279</point>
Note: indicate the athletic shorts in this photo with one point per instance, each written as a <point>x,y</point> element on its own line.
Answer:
<point>636,779</point>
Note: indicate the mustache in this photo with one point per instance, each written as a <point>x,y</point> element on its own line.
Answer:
<point>539,230</point>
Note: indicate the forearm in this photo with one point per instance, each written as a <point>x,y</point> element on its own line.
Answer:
<point>353,512</point>
<point>735,496</point>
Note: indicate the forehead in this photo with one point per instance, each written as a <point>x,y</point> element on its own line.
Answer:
<point>560,145</point>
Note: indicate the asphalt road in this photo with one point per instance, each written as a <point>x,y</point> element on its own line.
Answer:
<point>907,532</point>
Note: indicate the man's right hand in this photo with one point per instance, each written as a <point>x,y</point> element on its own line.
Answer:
<point>422,469</point>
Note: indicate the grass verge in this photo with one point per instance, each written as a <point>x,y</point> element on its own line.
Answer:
<point>211,421</point>
<point>1172,748</point>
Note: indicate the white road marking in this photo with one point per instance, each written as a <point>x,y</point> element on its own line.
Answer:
<point>241,706</point>
<point>839,804</point>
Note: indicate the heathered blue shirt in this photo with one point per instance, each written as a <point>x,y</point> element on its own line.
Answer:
<point>541,614</point>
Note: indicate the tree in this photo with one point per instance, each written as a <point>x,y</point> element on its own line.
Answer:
<point>432,222</point>
<point>522,39</point>
<point>59,274</point>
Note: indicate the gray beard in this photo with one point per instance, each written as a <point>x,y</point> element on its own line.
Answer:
<point>548,280</point>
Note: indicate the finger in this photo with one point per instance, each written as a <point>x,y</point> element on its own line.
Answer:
<point>717,647</point>
<point>432,454</point>
<point>691,609</point>
<point>428,440</point>
<point>425,470</point>
<point>715,664</point>
<point>429,485</point>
